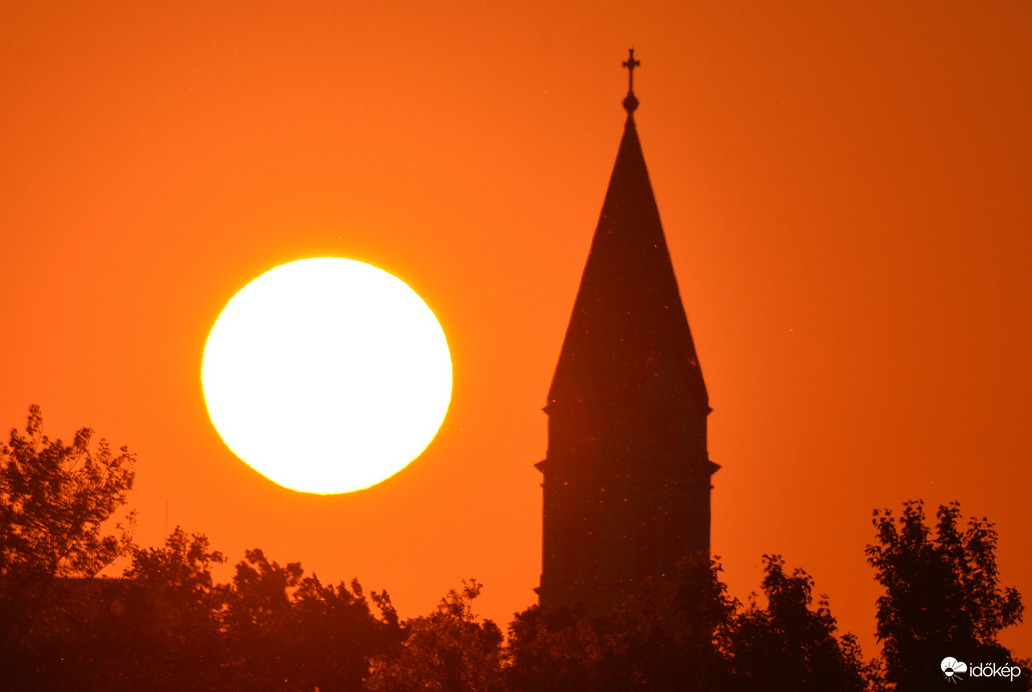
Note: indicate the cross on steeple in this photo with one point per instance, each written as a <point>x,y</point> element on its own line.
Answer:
<point>630,63</point>
<point>630,103</point>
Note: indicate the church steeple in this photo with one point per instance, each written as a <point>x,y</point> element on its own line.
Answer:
<point>627,475</point>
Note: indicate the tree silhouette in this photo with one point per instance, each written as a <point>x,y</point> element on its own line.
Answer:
<point>942,595</point>
<point>258,616</point>
<point>167,624</point>
<point>553,650</point>
<point>285,631</point>
<point>662,638</point>
<point>55,500</point>
<point>668,631</point>
<point>57,503</point>
<point>334,635</point>
<point>158,628</point>
<point>448,650</point>
<point>685,634</point>
<point>168,635</point>
<point>788,645</point>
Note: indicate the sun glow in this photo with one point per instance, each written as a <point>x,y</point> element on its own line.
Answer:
<point>327,375</point>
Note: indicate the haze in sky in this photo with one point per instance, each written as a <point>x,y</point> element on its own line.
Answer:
<point>844,191</point>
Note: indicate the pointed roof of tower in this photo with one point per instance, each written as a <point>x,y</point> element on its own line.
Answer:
<point>628,326</point>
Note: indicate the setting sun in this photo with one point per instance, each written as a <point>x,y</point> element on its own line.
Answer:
<point>327,375</point>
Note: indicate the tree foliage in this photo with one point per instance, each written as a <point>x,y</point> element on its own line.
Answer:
<point>664,636</point>
<point>942,593</point>
<point>553,650</point>
<point>789,645</point>
<point>56,501</point>
<point>169,624</point>
<point>444,651</point>
<point>687,634</point>
<point>168,629</point>
<point>57,506</point>
<point>288,631</point>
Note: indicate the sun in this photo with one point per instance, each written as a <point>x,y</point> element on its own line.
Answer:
<point>327,375</point>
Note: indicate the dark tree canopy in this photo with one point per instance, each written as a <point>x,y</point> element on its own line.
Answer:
<point>169,624</point>
<point>57,506</point>
<point>665,635</point>
<point>553,650</point>
<point>56,501</point>
<point>444,651</point>
<point>942,593</point>
<point>686,634</point>
<point>789,645</point>
<point>168,630</point>
<point>284,630</point>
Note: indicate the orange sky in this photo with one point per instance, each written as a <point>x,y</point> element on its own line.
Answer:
<point>845,189</point>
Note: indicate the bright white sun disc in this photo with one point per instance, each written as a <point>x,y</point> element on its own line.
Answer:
<point>327,375</point>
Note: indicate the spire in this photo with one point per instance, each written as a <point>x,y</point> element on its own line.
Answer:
<point>627,475</point>
<point>630,102</point>
<point>628,332</point>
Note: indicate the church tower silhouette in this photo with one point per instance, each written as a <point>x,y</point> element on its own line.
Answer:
<point>627,472</point>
